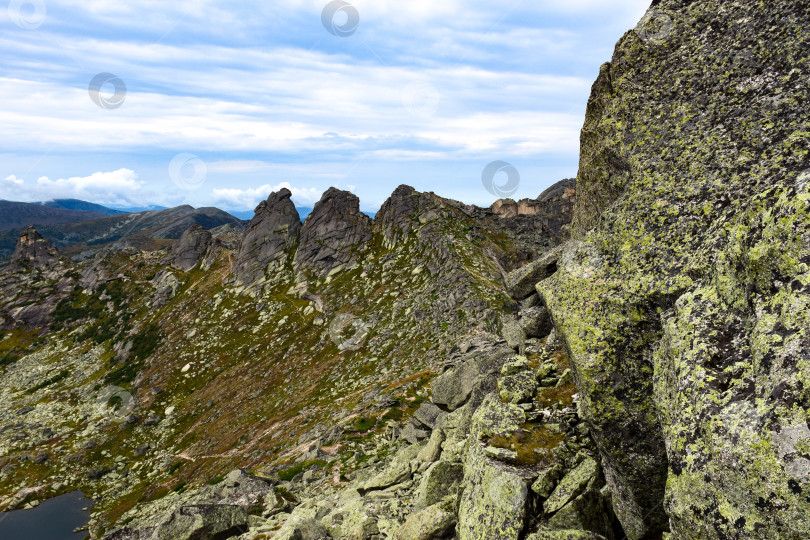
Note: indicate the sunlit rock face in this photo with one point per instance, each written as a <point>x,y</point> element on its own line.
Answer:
<point>684,300</point>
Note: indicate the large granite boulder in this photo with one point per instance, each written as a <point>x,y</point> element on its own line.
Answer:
<point>684,300</point>
<point>269,241</point>
<point>333,235</point>
<point>191,248</point>
<point>521,282</point>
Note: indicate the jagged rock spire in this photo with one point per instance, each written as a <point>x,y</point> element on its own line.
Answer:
<point>34,251</point>
<point>268,242</point>
<point>333,234</point>
<point>400,213</point>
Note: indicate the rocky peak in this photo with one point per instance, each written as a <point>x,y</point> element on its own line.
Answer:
<point>401,212</point>
<point>34,251</point>
<point>268,241</point>
<point>190,249</point>
<point>333,234</point>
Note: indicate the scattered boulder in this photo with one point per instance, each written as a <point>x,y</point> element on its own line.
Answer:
<point>521,282</point>
<point>204,521</point>
<point>518,388</point>
<point>536,322</point>
<point>429,414</point>
<point>433,523</point>
<point>514,335</point>
<point>442,479</point>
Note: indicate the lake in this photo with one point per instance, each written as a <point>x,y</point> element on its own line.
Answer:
<point>53,519</point>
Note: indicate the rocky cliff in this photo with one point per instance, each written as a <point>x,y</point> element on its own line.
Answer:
<point>267,247</point>
<point>334,235</point>
<point>683,300</point>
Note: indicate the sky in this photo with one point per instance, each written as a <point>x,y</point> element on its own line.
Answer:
<point>218,103</point>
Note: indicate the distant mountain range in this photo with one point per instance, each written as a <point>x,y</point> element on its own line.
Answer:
<point>82,228</point>
<point>76,204</point>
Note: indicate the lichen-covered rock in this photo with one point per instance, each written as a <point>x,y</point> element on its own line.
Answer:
<point>684,299</point>
<point>565,535</point>
<point>433,523</point>
<point>400,469</point>
<point>302,529</point>
<point>333,235</point>
<point>494,417</point>
<point>518,388</point>
<point>572,485</point>
<point>203,521</point>
<point>429,415</point>
<point>191,248</point>
<point>495,500</point>
<point>513,334</point>
<point>267,246</point>
<point>453,388</point>
<point>441,480</point>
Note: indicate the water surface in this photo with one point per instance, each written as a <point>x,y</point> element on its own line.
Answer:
<point>53,519</point>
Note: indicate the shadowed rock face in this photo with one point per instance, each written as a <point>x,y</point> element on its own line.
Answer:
<point>333,235</point>
<point>267,243</point>
<point>33,251</point>
<point>190,249</point>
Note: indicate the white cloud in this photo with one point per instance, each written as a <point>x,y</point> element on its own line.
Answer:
<point>115,187</point>
<point>250,198</point>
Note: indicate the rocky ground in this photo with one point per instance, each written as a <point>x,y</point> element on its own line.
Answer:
<point>301,356</point>
<point>446,371</point>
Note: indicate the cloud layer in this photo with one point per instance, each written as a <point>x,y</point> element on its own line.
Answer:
<point>255,90</point>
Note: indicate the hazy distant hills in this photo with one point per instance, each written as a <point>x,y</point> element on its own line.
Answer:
<point>76,204</point>
<point>18,215</point>
<point>81,233</point>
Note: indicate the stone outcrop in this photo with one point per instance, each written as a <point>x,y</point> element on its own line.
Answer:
<point>33,251</point>
<point>267,246</point>
<point>554,207</point>
<point>333,235</point>
<point>404,211</point>
<point>191,248</point>
<point>684,299</point>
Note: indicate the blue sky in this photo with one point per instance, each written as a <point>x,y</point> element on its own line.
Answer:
<point>228,101</point>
